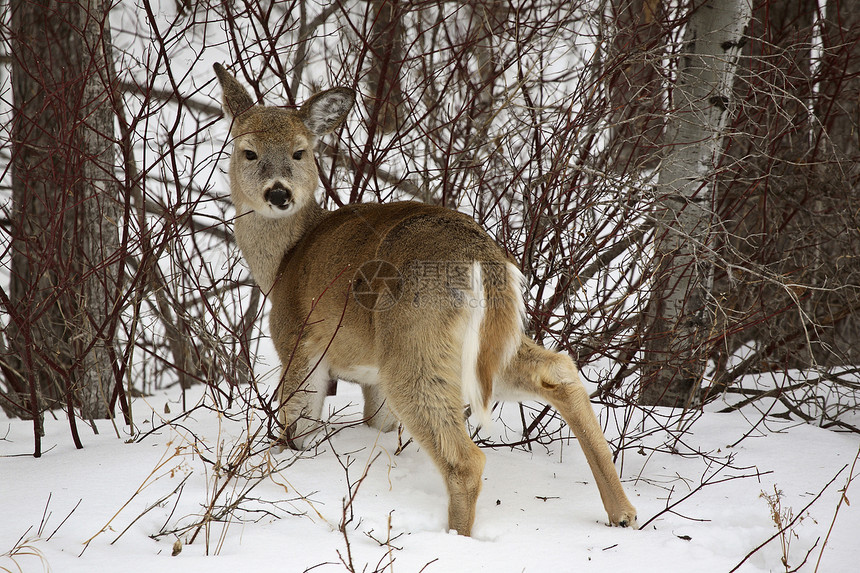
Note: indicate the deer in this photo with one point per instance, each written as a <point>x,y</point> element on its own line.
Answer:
<point>415,302</point>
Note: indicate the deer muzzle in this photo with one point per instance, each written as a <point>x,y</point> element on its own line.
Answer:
<point>278,196</point>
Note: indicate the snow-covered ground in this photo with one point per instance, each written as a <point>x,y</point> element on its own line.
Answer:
<point>96,509</point>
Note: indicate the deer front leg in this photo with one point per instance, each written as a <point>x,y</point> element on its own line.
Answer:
<point>376,412</point>
<point>301,394</point>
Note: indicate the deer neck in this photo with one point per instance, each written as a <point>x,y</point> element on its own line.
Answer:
<point>264,241</point>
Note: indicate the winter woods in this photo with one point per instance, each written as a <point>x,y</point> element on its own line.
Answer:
<point>678,183</point>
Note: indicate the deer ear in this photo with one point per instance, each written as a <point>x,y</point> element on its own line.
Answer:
<point>323,112</point>
<point>235,97</point>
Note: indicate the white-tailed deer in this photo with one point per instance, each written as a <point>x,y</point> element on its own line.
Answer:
<point>414,302</point>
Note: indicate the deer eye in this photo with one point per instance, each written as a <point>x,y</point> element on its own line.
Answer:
<point>298,154</point>
<point>250,155</point>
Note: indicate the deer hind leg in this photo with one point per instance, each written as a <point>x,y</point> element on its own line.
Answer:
<point>553,377</point>
<point>430,406</point>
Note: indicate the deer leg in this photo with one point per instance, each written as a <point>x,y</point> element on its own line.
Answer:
<point>301,393</point>
<point>553,377</point>
<point>376,412</point>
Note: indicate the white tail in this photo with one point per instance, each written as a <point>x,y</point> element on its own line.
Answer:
<point>413,301</point>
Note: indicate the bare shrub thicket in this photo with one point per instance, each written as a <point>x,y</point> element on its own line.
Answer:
<point>544,120</point>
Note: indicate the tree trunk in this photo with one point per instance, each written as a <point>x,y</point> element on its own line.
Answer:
<point>65,212</point>
<point>679,318</point>
<point>39,338</point>
<point>838,110</point>
<point>635,84</point>
<point>386,60</point>
<point>100,214</point>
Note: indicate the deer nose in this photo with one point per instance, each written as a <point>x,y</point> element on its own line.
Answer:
<point>278,196</point>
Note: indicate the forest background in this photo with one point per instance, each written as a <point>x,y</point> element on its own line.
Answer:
<point>677,181</point>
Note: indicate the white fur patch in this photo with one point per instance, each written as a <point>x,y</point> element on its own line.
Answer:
<point>475,309</point>
<point>367,375</point>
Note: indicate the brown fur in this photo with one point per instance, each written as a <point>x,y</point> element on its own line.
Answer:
<point>444,328</point>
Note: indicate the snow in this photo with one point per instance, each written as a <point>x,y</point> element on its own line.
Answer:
<point>539,509</point>
<point>98,509</point>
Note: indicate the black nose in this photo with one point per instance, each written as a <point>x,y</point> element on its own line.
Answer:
<point>278,197</point>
